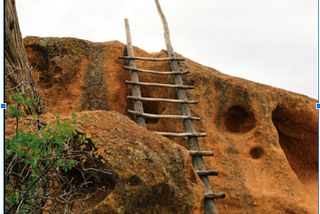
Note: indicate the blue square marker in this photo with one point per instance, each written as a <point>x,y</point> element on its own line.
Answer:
<point>318,105</point>
<point>3,105</point>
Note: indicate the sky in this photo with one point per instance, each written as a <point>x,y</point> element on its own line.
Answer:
<point>272,42</point>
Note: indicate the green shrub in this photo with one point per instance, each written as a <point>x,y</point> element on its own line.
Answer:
<point>35,160</point>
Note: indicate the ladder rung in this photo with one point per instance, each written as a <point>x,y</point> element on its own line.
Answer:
<point>162,100</point>
<point>206,173</point>
<point>215,195</point>
<point>160,85</point>
<point>151,59</point>
<point>169,134</point>
<point>201,153</point>
<point>156,72</point>
<point>162,116</point>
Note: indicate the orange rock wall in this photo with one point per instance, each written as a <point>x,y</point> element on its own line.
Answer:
<point>264,139</point>
<point>146,173</point>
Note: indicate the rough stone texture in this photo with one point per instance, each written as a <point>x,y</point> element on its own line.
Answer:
<point>150,173</point>
<point>264,139</point>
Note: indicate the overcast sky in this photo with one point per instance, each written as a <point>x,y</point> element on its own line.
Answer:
<point>273,42</point>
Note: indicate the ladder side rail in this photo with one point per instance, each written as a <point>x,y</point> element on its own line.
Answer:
<point>135,78</point>
<point>209,205</point>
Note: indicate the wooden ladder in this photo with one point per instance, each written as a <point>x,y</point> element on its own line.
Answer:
<point>197,161</point>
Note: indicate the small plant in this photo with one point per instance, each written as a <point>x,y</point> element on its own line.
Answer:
<point>37,164</point>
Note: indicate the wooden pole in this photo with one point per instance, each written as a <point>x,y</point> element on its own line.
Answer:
<point>207,173</point>
<point>166,30</point>
<point>150,59</point>
<point>161,100</point>
<point>198,165</point>
<point>161,85</point>
<point>169,134</point>
<point>155,72</point>
<point>162,116</point>
<point>215,195</point>
<point>134,78</point>
<point>201,153</point>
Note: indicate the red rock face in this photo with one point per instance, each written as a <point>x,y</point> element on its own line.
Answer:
<point>264,139</point>
<point>148,173</point>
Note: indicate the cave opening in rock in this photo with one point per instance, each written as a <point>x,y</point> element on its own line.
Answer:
<point>84,181</point>
<point>237,120</point>
<point>256,152</point>
<point>298,140</point>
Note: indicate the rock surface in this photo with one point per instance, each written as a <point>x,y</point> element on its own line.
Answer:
<point>149,173</point>
<point>264,139</point>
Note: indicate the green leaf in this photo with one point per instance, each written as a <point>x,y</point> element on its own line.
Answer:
<point>8,152</point>
<point>74,115</point>
<point>20,153</point>
<point>59,140</point>
<point>15,144</point>
<point>24,143</point>
<point>8,141</point>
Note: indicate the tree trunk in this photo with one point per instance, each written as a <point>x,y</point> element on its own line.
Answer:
<point>18,75</point>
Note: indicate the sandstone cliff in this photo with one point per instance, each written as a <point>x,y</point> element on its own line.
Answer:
<point>148,173</point>
<point>264,139</point>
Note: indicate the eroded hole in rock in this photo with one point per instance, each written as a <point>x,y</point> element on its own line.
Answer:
<point>38,57</point>
<point>237,120</point>
<point>89,182</point>
<point>94,182</point>
<point>298,139</point>
<point>64,52</point>
<point>134,180</point>
<point>256,152</point>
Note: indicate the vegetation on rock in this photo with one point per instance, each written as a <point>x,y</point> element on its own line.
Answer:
<point>38,159</point>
